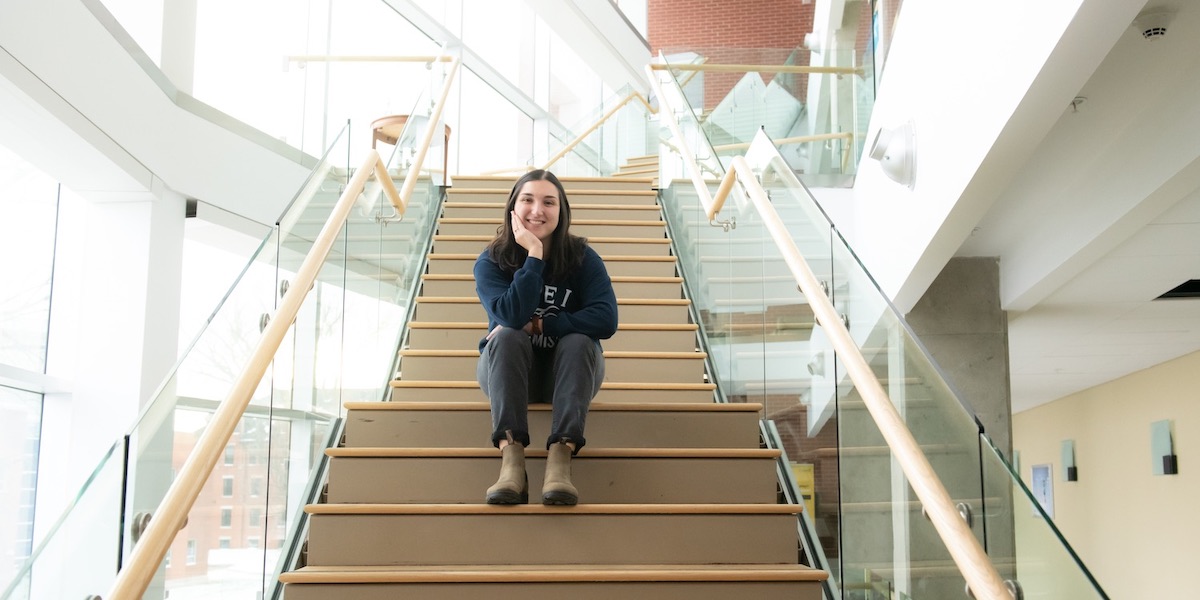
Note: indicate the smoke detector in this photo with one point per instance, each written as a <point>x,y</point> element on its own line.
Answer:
<point>1153,23</point>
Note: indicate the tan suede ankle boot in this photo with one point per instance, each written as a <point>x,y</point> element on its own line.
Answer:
<point>513,485</point>
<point>557,489</point>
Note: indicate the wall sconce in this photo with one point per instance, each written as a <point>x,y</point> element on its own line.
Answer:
<point>1162,449</point>
<point>896,150</point>
<point>1068,460</point>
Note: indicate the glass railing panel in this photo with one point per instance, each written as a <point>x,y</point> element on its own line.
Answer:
<point>946,432</point>
<point>882,538</point>
<point>1025,545</point>
<point>816,118</point>
<point>691,128</point>
<point>236,54</point>
<point>587,158</point>
<point>735,104</point>
<point>398,136</point>
<point>236,530</point>
<point>493,132</point>
<point>344,341</point>
<point>29,202</point>
<point>757,329</point>
<point>21,445</point>
<point>873,512</point>
<point>239,53</point>
<point>86,537</point>
<point>238,522</point>
<point>614,131</point>
<point>705,256</point>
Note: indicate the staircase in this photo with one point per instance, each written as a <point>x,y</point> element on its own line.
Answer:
<point>677,499</point>
<point>637,167</point>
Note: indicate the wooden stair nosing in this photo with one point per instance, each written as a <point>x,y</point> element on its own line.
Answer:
<point>614,278</point>
<point>559,573</point>
<point>580,206</point>
<point>609,354</point>
<point>571,184</point>
<point>553,573</point>
<point>480,325</point>
<point>638,169</point>
<point>541,509</point>
<point>607,385</point>
<point>595,406</point>
<point>619,258</point>
<point>451,237</point>
<point>532,452</point>
<point>496,221</point>
<point>620,301</point>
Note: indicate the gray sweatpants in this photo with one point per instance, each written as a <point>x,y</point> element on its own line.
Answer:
<point>512,373</point>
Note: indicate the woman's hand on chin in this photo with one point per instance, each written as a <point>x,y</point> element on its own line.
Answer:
<point>525,238</point>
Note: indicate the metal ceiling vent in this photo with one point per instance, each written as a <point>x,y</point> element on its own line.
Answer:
<point>1153,22</point>
<point>1188,289</point>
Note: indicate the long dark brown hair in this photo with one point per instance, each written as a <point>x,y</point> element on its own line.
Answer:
<point>566,250</point>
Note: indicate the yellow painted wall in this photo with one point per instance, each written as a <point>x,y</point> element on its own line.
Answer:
<point>1139,533</point>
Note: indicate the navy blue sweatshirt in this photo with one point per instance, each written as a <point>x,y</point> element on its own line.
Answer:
<point>583,302</point>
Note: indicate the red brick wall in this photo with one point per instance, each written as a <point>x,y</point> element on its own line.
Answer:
<point>746,32</point>
<point>675,24</point>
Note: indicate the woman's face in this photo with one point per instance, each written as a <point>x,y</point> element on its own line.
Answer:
<point>537,208</point>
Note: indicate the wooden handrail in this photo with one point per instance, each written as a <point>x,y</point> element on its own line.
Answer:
<point>172,512</point>
<point>689,161</point>
<point>579,138</point>
<point>965,550</point>
<point>612,111</point>
<point>410,181</point>
<point>757,68</point>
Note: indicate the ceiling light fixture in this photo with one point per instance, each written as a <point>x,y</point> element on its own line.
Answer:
<point>896,150</point>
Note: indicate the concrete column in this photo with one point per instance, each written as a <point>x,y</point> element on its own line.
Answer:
<point>960,321</point>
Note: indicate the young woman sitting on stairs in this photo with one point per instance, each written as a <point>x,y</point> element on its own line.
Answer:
<point>549,302</point>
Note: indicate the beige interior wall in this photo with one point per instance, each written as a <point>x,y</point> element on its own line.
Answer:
<point>1136,531</point>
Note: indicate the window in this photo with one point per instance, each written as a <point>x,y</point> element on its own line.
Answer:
<point>227,486</point>
<point>229,455</point>
<point>252,542</point>
<point>21,412</point>
<point>255,516</point>
<point>29,205</point>
<point>191,549</point>
<point>223,543</point>
<point>256,486</point>
<point>226,516</point>
<point>29,201</point>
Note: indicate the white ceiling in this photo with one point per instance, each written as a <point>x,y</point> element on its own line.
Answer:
<point>1102,218</point>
